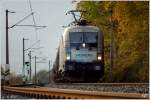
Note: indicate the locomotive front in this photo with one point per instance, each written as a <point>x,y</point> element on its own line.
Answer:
<point>84,56</point>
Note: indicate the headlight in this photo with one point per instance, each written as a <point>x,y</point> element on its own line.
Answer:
<point>99,57</point>
<point>83,44</point>
<point>68,57</point>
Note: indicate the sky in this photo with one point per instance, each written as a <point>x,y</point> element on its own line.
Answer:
<point>50,13</point>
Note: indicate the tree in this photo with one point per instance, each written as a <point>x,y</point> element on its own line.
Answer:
<point>130,22</point>
<point>42,77</point>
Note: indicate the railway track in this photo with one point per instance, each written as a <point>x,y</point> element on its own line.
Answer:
<point>56,93</point>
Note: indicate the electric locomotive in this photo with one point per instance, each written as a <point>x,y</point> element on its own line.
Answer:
<point>80,55</point>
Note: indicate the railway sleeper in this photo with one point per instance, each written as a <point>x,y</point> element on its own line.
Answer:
<point>40,96</point>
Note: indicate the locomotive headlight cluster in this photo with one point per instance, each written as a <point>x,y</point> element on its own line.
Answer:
<point>68,57</point>
<point>83,44</point>
<point>99,57</point>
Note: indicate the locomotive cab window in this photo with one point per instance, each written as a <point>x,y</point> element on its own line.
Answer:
<point>76,37</point>
<point>89,38</point>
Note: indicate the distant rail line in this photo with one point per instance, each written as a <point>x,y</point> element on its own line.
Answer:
<point>104,83</point>
<point>56,93</point>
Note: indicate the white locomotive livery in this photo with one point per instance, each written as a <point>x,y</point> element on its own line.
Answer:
<point>80,56</point>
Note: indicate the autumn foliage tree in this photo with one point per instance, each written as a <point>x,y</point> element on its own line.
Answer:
<point>130,20</point>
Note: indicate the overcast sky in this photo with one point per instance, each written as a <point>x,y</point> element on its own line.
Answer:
<point>50,13</point>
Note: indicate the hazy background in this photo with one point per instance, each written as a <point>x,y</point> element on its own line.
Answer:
<point>50,13</point>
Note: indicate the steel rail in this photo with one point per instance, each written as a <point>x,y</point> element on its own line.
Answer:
<point>103,83</point>
<point>55,93</point>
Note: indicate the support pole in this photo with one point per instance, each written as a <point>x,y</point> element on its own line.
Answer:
<point>7,66</point>
<point>30,64</point>
<point>7,42</point>
<point>7,45</point>
<point>35,71</point>
<point>23,69</point>
<point>49,73</point>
